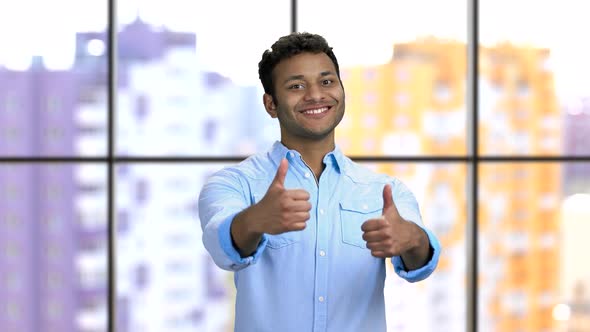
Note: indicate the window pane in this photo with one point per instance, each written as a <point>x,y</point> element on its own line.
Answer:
<point>53,239</point>
<point>189,76</point>
<point>440,192</point>
<point>168,282</point>
<point>534,96</point>
<point>52,78</point>
<point>403,66</point>
<point>534,221</point>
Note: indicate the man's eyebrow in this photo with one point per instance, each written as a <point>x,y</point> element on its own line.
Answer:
<point>293,78</point>
<point>300,77</point>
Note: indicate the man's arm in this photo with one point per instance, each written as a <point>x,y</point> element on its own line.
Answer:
<point>398,234</point>
<point>279,211</point>
<point>220,200</point>
<point>419,253</point>
<point>391,235</point>
<point>233,233</point>
<point>244,236</point>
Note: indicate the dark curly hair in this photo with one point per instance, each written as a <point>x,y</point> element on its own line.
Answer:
<point>286,47</point>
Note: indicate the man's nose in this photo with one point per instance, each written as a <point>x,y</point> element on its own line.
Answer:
<point>314,92</point>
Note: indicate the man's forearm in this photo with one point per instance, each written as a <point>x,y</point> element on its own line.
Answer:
<point>244,238</point>
<point>420,254</point>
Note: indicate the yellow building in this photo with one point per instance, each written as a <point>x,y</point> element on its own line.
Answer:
<point>523,119</point>
<point>415,105</point>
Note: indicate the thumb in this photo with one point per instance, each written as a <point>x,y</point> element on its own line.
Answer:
<point>281,173</point>
<point>388,204</point>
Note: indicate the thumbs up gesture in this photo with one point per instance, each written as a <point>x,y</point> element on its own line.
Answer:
<point>283,210</point>
<point>279,211</point>
<point>391,235</point>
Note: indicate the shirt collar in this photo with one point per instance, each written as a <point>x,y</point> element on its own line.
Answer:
<point>278,151</point>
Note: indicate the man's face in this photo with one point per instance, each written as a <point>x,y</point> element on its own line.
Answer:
<point>309,97</point>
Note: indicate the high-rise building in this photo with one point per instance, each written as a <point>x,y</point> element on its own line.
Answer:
<point>576,135</point>
<point>519,245</point>
<point>45,248</point>
<point>414,105</point>
<point>55,254</point>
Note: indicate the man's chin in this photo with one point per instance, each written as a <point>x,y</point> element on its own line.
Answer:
<point>318,135</point>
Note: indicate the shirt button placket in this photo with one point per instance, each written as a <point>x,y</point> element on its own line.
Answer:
<point>321,276</point>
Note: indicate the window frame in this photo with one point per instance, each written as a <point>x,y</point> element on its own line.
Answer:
<point>472,159</point>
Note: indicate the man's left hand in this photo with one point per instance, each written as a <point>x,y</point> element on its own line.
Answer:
<point>391,235</point>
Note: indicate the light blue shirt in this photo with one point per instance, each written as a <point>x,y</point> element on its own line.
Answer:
<point>322,278</point>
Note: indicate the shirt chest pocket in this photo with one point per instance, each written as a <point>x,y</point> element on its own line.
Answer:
<point>353,213</point>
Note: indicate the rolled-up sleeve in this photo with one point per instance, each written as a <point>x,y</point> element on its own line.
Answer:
<point>220,200</point>
<point>407,206</point>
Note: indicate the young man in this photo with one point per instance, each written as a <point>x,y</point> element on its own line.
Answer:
<point>307,231</point>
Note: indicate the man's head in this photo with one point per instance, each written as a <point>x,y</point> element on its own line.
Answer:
<point>301,79</point>
<point>286,47</point>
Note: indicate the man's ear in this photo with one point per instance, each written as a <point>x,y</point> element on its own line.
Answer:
<point>269,105</point>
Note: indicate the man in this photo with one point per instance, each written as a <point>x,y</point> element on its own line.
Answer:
<point>307,231</point>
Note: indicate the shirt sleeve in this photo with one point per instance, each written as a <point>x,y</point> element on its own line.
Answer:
<point>407,207</point>
<point>220,200</point>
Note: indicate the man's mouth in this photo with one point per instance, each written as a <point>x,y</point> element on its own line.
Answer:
<point>316,111</point>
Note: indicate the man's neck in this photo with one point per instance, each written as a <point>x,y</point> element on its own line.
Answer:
<point>312,152</point>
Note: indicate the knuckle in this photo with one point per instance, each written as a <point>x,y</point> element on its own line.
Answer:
<point>284,215</point>
<point>283,200</point>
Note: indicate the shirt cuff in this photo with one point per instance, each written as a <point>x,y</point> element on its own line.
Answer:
<point>227,245</point>
<point>426,270</point>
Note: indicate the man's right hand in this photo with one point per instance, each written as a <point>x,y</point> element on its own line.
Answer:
<point>282,210</point>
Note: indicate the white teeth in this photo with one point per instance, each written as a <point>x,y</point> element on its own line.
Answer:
<point>316,111</point>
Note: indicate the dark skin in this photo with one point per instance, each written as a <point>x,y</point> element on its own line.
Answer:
<point>309,103</point>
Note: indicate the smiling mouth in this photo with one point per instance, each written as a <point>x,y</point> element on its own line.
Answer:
<point>316,111</point>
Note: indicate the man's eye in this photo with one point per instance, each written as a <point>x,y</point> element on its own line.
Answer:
<point>327,82</point>
<point>296,86</point>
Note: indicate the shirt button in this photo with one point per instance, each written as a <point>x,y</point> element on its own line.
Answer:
<point>321,211</point>
<point>322,253</point>
<point>307,174</point>
<point>292,154</point>
<point>365,206</point>
<point>321,299</point>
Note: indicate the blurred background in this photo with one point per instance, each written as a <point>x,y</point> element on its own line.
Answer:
<point>187,87</point>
